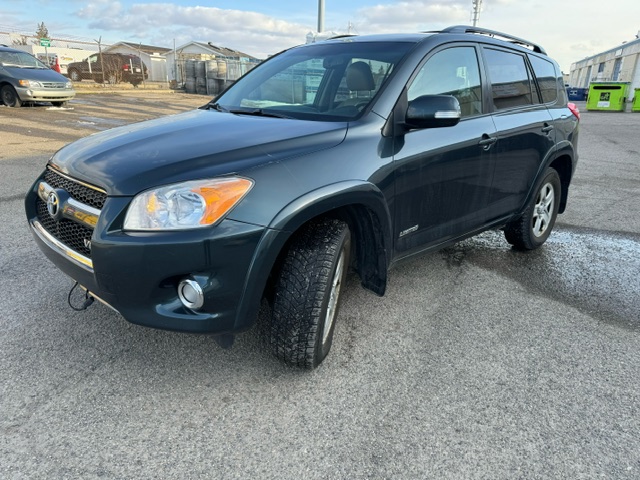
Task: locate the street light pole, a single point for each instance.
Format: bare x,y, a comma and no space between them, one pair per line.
320,16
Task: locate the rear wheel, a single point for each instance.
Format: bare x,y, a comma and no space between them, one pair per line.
534,227
307,293
74,75
10,97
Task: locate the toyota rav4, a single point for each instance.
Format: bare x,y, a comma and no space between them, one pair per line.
356,152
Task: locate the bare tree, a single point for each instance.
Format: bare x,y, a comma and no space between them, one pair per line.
23,40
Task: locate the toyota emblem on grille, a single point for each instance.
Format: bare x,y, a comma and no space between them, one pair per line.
53,204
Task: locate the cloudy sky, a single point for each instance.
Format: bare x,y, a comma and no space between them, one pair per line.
568,29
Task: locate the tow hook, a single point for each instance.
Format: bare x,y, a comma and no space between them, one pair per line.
88,299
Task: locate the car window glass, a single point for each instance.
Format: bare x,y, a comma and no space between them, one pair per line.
510,82
361,80
453,71
20,59
93,58
546,75
327,81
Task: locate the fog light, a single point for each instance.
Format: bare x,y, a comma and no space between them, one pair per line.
190,293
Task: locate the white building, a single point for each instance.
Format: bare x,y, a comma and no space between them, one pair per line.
619,64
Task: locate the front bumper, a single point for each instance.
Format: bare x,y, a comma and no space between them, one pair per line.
45,94
137,274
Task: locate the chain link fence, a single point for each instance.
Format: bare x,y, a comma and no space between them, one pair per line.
208,74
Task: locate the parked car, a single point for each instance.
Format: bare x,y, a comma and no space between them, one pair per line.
118,67
353,152
24,78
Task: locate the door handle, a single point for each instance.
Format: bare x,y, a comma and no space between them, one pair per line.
547,128
487,141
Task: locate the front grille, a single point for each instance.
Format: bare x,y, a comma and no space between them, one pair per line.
77,191
54,85
72,234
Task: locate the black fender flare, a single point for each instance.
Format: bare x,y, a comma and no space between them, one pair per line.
312,205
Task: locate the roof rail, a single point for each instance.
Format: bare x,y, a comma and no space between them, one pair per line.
492,33
345,35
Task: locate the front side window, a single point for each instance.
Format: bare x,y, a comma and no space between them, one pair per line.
453,71
324,81
510,81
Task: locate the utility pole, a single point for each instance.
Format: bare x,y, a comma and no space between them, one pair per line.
101,62
477,5
320,16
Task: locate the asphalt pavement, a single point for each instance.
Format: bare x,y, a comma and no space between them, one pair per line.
480,362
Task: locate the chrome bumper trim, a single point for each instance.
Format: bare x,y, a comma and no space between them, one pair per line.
60,247
98,298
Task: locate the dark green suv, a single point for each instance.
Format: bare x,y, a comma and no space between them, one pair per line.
354,152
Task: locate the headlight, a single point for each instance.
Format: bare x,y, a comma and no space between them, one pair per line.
68,85
30,84
187,205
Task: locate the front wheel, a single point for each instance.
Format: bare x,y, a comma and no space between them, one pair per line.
534,227
307,293
10,97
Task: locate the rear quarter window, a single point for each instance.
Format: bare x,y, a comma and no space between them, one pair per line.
545,73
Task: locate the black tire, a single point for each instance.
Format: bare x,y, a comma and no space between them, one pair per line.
533,228
10,97
59,104
74,75
307,291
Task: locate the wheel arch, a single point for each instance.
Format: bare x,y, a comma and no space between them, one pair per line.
564,166
361,204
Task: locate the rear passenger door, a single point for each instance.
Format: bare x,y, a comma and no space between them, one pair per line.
525,129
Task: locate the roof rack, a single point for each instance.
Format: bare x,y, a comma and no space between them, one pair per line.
492,33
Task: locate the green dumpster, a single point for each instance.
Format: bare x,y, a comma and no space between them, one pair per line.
635,106
608,96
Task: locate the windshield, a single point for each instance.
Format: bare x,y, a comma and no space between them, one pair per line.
324,81
21,60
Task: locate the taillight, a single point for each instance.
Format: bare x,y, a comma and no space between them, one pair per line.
574,109
125,66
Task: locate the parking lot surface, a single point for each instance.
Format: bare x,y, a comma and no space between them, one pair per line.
480,362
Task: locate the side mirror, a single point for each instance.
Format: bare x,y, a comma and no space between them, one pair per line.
433,111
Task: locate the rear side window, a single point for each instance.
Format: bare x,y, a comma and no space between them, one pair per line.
545,73
510,81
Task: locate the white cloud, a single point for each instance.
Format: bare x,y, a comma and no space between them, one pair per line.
568,30
161,23
413,16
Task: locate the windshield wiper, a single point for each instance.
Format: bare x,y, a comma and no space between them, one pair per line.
258,112
215,106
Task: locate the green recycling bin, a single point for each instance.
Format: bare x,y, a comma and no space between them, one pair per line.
635,106
607,96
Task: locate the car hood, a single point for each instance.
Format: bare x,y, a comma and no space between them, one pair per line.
197,144
37,74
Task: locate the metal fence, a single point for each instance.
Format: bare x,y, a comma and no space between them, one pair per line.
210,76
